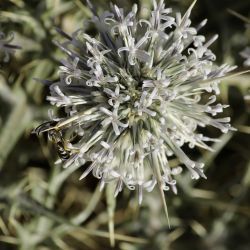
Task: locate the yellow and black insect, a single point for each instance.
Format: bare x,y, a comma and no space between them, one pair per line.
55,136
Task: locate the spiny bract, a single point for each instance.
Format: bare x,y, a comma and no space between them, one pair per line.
133,97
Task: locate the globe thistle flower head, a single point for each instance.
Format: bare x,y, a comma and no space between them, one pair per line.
134,95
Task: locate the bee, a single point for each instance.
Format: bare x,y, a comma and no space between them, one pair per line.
55,136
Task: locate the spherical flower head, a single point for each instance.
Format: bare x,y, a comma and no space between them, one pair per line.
134,96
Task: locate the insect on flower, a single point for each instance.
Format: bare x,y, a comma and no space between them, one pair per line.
135,95
56,137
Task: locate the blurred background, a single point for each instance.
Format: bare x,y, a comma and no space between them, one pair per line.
43,207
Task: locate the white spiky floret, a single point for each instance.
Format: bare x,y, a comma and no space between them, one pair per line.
137,94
